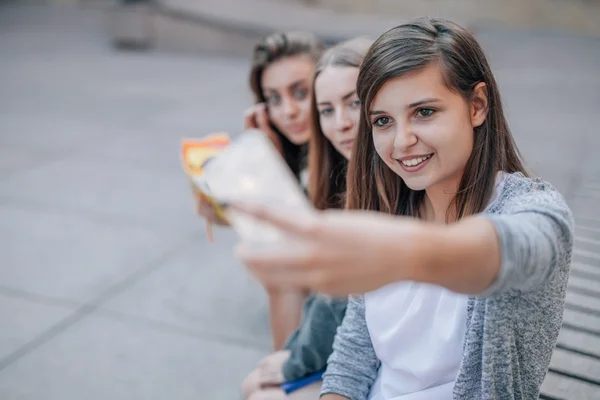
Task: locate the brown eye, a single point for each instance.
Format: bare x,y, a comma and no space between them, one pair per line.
381,121
425,112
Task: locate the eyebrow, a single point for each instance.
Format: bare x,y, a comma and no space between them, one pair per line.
344,97
411,105
421,102
350,94
298,83
293,85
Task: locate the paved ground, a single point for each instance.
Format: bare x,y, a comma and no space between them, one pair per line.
108,288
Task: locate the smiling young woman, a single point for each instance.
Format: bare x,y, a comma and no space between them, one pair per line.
336,114
281,79
464,259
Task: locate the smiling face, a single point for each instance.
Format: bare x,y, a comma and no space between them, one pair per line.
422,130
286,87
338,106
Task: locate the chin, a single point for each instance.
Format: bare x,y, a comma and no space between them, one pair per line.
417,183
299,138
345,153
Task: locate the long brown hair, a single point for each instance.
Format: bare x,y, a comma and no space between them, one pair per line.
270,49
326,166
410,47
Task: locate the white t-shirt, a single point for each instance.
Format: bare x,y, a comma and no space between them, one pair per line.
417,331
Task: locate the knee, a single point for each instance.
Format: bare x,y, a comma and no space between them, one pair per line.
250,384
268,394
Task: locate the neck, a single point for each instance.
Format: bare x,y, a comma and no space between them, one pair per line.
437,202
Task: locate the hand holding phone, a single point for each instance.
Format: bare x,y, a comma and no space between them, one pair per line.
195,155
251,170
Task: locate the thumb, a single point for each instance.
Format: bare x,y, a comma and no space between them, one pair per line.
264,124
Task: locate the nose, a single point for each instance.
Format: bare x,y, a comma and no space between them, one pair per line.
404,138
343,122
290,108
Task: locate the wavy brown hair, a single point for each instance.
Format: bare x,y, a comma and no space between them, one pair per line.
270,49
372,185
326,166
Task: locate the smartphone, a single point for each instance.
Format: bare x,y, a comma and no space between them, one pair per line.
251,170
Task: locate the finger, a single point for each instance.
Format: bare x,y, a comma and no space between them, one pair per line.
209,232
288,253
205,210
201,199
250,110
264,125
301,224
198,196
250,118
262,119
281,269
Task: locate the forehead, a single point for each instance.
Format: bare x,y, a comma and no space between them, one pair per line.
285,71
335,82
427,82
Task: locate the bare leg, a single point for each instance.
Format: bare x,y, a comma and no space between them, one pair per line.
310,392
268,394
285,312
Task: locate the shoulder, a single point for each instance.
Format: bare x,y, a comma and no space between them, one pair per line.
521,193
332,304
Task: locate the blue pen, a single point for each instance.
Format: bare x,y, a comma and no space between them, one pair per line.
292,386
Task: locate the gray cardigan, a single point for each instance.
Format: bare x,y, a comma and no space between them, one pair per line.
511,328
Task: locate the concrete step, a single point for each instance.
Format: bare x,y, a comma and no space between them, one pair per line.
233,26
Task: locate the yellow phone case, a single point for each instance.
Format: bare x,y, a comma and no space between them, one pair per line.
195,153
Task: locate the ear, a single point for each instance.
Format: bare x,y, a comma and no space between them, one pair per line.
479,105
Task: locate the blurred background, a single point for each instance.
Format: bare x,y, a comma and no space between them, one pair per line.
108,286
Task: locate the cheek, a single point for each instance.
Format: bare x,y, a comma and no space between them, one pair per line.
277,117
305,107
463,138
354,115
383,145
328,128
452,138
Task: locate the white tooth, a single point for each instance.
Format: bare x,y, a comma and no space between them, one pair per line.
415,161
